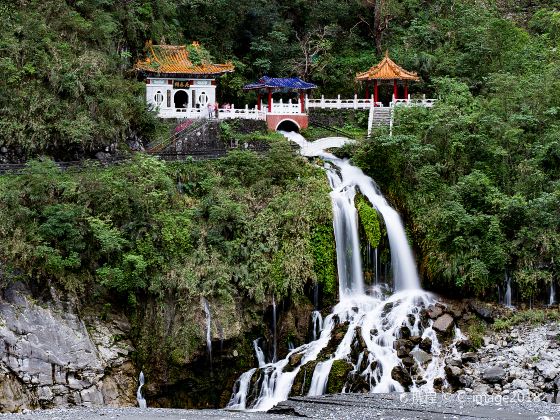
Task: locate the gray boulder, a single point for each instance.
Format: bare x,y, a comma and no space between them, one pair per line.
493,374
443,324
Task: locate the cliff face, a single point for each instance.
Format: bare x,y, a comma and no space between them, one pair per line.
52,356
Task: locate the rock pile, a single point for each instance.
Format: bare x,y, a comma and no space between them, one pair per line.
522,362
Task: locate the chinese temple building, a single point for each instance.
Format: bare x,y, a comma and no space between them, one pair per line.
387,72
180,80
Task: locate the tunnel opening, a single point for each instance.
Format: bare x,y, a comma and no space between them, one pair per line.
288,125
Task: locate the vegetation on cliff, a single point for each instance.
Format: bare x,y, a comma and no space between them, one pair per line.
156,237
477,175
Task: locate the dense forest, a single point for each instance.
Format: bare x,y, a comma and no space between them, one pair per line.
477,176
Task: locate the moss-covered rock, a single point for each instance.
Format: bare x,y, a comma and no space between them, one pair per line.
302,381
338,376
369,220
337,335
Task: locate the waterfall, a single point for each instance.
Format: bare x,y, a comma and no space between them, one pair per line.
239,397
316,324
259,353
552,296
274,342
376,272
208,328
372,319
507,296
139,397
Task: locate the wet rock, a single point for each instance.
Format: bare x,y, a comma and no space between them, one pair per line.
465,345
295,359
434,311
469,357
302,381
483,310
408,361
456,310
443,324
453,374
426,345
360,339
452,361
403,347
338,376
415,339
401,375
438,384
404,332
421,356
494,374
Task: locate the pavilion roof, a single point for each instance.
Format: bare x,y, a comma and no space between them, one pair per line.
280,83
387,69
180,59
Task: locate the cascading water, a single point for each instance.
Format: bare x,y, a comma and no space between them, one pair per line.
259,353
552,295
139,397
274,342
316,324
369,320
208,328
507,296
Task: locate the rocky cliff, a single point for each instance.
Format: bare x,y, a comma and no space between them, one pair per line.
50,355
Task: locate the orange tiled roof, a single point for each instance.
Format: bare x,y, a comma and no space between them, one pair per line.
175,59
387,69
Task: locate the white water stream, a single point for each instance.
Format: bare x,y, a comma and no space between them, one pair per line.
373,316
208,315
139,397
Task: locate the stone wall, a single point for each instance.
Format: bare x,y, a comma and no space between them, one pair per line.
215,137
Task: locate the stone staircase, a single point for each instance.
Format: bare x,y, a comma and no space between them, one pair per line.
381,116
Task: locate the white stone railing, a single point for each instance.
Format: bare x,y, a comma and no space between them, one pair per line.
283,108
244,113
338,103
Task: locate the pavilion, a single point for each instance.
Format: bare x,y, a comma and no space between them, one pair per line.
180,80
385,72
269,85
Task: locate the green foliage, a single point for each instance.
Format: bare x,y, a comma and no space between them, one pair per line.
470,174
530,316
324,257
476,331
369,220
244,225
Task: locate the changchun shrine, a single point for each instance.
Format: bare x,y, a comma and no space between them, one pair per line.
181,83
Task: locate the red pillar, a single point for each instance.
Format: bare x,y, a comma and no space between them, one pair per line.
269,100
406,89
367,89
259,101
302,101
375,91
395,90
